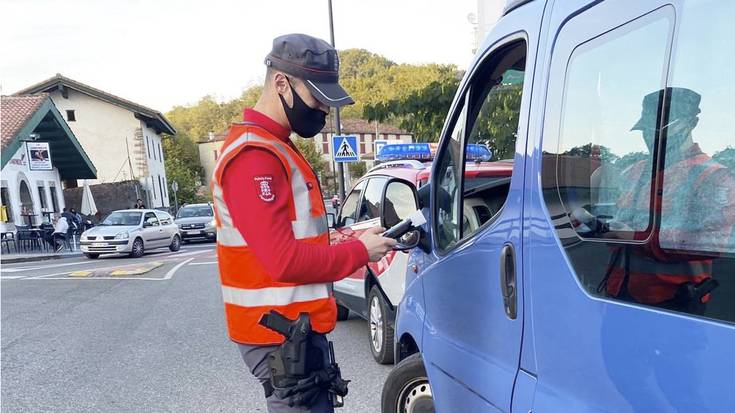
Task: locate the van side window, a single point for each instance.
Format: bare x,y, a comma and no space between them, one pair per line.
349,208
474,171
639,178
370,207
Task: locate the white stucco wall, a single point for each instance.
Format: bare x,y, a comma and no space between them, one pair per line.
109,134
156,176
15,171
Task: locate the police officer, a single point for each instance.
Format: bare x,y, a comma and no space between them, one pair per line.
272,236
694,210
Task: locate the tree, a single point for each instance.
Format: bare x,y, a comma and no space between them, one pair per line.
182,166
421,112
357,169
307,148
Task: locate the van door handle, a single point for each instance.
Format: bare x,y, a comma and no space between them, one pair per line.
508,280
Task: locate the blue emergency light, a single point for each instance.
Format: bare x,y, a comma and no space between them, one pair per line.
478,152
392,152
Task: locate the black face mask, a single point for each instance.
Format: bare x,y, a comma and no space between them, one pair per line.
305,121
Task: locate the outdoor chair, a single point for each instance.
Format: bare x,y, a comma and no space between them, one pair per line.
7,238
27,239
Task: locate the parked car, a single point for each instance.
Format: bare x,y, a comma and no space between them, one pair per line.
386,191
131,231
604,282
196,221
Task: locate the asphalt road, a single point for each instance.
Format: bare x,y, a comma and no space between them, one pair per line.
154,342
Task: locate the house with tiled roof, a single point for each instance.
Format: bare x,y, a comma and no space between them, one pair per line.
122,138
39,151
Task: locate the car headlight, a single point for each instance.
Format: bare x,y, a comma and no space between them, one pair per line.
122,235
211,223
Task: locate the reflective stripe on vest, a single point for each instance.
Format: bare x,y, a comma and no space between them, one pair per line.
248,290
274,296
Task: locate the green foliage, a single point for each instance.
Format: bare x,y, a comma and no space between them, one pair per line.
182,166
422,111
497,122
357,169
307,148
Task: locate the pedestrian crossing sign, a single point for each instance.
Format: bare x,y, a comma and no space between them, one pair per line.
345,148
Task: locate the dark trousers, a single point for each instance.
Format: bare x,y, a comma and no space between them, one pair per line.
255,359
54,239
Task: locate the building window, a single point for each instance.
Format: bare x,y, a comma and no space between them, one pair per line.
148,146
42,196
153,183
7,213
361,139
216,155
160,153
54,199
160,188
70,116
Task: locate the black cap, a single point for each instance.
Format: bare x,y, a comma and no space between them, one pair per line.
683,105
312,60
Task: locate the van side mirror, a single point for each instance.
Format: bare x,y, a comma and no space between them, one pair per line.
331,220
399,201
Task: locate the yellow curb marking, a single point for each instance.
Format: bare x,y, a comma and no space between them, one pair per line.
138,271
81,273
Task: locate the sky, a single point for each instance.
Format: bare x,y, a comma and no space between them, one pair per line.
162,53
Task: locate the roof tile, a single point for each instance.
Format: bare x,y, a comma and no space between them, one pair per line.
15,111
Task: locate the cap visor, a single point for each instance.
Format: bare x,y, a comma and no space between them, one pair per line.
330,94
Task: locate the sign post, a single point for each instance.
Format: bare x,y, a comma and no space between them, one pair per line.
175,188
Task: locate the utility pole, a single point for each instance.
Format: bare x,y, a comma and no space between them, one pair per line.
340,165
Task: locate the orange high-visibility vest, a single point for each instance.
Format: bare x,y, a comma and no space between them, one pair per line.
247,289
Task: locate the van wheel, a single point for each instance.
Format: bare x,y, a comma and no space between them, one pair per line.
138,248
381,332
407,389
343,313
175,244
92,256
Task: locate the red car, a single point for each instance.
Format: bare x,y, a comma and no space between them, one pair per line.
375,291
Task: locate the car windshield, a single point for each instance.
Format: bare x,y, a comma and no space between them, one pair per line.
195,211
122,218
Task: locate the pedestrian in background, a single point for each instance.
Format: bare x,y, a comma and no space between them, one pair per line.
139,204
272,236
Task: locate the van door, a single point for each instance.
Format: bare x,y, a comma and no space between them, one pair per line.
632,253
473,289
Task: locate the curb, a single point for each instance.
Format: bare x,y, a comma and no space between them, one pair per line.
38,258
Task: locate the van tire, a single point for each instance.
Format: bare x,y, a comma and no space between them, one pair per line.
92,256
343,313
407,388
380,332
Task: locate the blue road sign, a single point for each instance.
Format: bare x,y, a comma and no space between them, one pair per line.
345,148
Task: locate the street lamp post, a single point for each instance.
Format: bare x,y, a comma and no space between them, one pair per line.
340,165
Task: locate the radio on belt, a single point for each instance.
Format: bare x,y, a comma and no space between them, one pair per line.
413,221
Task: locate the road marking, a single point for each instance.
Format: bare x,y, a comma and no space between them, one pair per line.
203,263
173,270
11,277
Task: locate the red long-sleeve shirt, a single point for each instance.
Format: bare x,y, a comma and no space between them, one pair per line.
265,224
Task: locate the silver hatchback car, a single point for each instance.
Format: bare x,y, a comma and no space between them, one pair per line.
131,231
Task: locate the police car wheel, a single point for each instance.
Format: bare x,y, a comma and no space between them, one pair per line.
381,332
343,313
407,388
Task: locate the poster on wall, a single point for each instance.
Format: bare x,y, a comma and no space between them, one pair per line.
39,156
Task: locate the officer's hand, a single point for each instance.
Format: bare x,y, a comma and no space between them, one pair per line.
377,246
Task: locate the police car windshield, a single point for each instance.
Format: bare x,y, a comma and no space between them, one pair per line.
195,211
122,218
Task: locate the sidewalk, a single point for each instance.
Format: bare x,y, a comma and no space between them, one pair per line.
37,256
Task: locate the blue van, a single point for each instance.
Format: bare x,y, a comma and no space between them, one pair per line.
603,277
